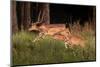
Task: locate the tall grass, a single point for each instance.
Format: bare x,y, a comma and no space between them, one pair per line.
48,50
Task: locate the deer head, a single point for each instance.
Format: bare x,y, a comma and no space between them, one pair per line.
36,26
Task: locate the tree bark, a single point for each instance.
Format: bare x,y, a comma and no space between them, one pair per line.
46,14
27,18
45,17
14,17
24,15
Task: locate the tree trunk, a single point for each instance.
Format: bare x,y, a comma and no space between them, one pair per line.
22,15
27,18
14,17
45,17
46,14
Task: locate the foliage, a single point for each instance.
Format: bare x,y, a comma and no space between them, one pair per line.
48,50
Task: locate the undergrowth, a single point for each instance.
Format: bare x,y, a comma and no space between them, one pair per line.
48,50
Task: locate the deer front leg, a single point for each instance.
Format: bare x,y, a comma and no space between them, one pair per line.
66,45
41,35
38,37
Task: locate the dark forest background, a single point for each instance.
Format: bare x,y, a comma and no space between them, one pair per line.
25,13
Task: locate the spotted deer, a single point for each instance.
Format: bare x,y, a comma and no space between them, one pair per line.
60,33
56,31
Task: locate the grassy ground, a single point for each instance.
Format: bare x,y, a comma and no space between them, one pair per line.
48,50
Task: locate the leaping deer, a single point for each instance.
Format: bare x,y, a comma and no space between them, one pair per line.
57,31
